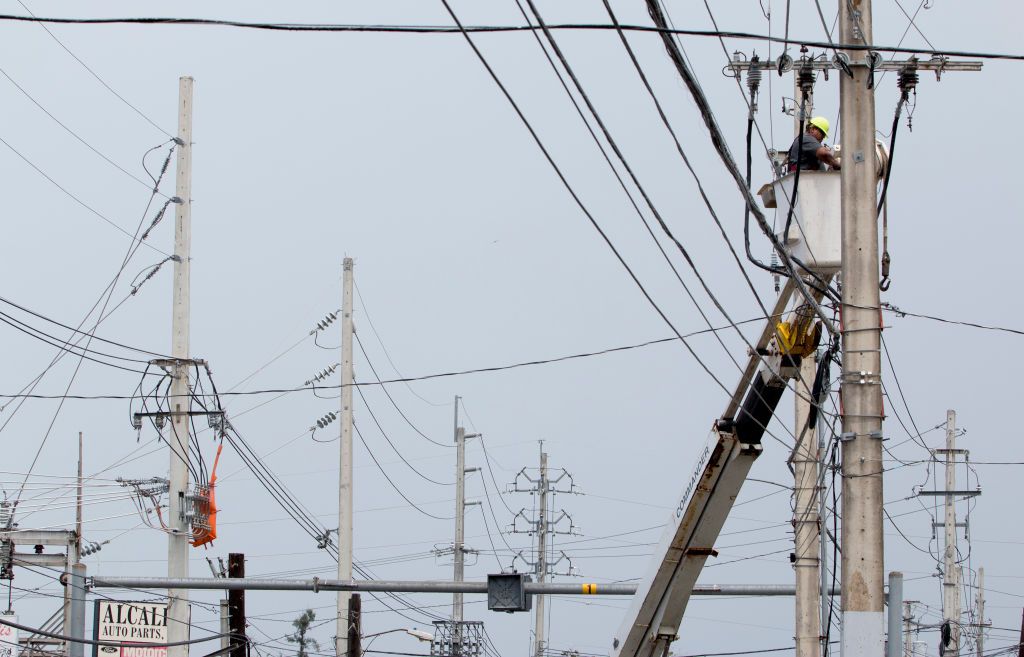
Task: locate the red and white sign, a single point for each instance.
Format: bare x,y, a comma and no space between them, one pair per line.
9,637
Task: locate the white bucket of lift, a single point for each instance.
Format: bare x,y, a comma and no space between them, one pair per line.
815,234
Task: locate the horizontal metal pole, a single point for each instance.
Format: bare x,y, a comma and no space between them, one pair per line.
921,65
38,536
58,561
955,493
399,586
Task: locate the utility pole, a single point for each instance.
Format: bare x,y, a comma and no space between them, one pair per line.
951,574
806,520
543,526
951,579
981,612
459,549
459,556
355,626
863,572
236,606
894,644
345,467
78,504
178,437
542,552
808,510
908,619
78,572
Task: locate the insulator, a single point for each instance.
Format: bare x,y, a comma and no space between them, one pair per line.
323,374
325,420
908,79
326,321
753,77
805,79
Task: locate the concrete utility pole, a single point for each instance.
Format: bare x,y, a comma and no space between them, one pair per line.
542,552
345,467
894,643
178,436
981,612
460,515
863,567
78,572
806,528
908,619
951,570
806,521
78,504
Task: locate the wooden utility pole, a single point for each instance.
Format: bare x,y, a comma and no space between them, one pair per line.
236,606
1020,646
345,465
355,626
178,435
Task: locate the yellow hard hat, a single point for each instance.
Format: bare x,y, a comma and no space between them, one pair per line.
821,123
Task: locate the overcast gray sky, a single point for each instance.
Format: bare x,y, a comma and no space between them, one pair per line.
399,151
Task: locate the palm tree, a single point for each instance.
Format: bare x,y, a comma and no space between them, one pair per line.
301,625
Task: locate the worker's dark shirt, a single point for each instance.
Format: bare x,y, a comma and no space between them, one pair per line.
808,147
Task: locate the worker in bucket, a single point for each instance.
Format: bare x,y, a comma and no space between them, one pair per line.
808,150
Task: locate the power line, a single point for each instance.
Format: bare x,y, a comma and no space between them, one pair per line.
76,199
482,29
480,370
390,481
72,132
42,22
396,450
78,331
387,354
366,356
903,313
109,292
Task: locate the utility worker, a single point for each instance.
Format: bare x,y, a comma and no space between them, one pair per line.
808,150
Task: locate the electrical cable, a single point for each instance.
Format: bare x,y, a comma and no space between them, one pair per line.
498,368
387,354
78,331
73,133
722,149
136,244
366,356
52,341
578,201
618,152
396,450
77,200
42,24
390,481
481,29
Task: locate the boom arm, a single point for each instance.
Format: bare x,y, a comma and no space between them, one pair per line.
689,539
